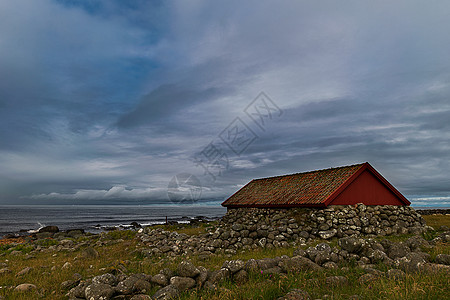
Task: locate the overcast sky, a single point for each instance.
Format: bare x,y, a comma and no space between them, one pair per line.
107,101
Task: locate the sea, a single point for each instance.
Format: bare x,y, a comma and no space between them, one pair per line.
17,219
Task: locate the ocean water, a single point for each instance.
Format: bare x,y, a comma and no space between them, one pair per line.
14,218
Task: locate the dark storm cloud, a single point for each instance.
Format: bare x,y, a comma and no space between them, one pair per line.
102,100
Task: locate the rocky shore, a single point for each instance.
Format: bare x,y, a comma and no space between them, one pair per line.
336,238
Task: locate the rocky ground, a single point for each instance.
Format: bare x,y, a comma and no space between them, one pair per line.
213,261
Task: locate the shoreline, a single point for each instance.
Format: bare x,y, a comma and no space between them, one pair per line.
98,228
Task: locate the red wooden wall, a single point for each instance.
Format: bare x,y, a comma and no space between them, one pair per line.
367,189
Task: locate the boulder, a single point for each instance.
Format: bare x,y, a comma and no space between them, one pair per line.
187,269
410,262
297,264
78,291
182,283
127,286
219,275
240,277
24,271
99,291
25,287
351,244
51,229
202,277
398,250
234,265
68,284
107,278
327,234
142,286
433,268
166,293
160,279
443,259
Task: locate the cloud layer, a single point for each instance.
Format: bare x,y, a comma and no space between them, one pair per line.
102,100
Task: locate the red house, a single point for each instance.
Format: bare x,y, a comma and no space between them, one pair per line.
336,186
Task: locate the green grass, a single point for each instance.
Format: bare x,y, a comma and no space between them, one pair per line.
47,273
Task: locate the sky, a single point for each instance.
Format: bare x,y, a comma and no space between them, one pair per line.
144,102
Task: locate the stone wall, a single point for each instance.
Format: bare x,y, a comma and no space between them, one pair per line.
278,225
251,228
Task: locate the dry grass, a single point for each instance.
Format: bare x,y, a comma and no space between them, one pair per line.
436,221
119,254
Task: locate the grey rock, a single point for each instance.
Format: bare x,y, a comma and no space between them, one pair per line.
107,278
267,263
202,277
351,244
182,283
219,275
78,291
24,271
234,265
398,250
51,229
433,268
187,269
237,227
297,264
126,286
99,291
300,252
142,286
443,259
274,270
410,262
251,265
377,256
68,284
417,242
166,293
327,234
241,276
167,272
160,279
330,265
25,287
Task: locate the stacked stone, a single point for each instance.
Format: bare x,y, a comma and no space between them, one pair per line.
250,228
325,223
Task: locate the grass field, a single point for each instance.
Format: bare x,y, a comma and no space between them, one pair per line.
118,253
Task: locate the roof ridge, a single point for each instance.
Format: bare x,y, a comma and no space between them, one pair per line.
307,172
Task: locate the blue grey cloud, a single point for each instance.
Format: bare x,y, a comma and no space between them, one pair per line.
108,100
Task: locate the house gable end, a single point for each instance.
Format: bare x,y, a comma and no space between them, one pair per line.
366,187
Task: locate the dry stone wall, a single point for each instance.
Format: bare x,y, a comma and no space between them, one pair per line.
278,225
250,228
